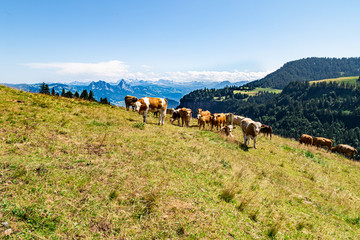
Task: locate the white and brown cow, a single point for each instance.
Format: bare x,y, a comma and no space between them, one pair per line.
227,130
146,104
237,120
250,129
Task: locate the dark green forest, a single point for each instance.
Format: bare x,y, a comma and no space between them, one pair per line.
309,69
324,109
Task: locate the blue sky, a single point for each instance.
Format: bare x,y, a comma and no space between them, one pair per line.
183,40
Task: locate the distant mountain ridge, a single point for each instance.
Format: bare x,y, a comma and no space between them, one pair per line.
115,92
309,69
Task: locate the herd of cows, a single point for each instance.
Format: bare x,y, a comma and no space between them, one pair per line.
225,122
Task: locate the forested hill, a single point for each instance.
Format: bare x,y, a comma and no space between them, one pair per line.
309,69
323,109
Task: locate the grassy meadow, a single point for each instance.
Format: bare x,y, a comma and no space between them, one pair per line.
72,169
347,80
257,90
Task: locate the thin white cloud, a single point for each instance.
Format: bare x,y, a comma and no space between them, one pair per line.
114,70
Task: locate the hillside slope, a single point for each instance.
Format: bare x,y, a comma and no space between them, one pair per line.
76,169
309,69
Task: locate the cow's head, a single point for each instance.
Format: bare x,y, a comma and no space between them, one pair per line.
137,106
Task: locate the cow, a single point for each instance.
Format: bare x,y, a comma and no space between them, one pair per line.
218,119
130,101
237,120
323,142
185,115
170,111
175,116
146,104
226,130
204,119
266,130
202,113
250,129
229,118
306,139
345,150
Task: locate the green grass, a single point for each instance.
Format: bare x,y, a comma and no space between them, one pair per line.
77,169
257,90
347,80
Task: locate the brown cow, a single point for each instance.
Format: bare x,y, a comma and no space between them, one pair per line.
323,142
204,119
202,113
306,139
266,129
250,129
345,150
218,119
185,115
146,104
130,101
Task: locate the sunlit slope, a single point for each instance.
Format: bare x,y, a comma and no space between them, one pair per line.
75,169
346,80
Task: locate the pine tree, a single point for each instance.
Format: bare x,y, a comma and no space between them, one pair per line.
63,94
44,89
76,94
84,94
53,91
91,96
69,94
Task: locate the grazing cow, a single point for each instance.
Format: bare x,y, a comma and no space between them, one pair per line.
218,119
130,101
185,115
227,130
250,129
323,142
146,104
306,139
229,119
204,119
175,116
266,129
345,150
237,120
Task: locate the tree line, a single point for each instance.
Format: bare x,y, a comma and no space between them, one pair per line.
85,95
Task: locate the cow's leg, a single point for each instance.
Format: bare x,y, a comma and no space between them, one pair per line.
163,115
254,143
144,117
127,107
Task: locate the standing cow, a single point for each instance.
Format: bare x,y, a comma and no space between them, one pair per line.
250,129
130,101
266,129
146,104
323,142
218,120
185,115
306,139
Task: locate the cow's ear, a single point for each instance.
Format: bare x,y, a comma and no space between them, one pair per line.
262,125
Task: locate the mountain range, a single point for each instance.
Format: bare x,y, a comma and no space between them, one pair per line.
115,92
